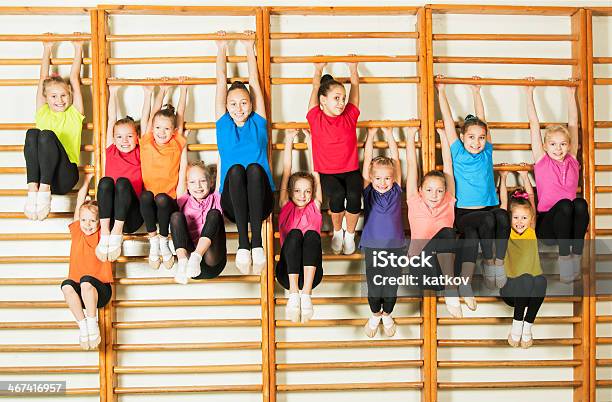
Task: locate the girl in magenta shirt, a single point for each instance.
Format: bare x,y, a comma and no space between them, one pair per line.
119,191
333,122
562,218
299,222
198,227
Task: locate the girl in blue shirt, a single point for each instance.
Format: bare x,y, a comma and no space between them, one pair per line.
244,178
477,215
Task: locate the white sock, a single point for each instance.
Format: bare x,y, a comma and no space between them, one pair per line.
566,269
349,243
31,198
305,301
193,265
43,197
466,290
526,333
517,330
113,240
387,320
82,327
92,325
337,240
374,321
293,300
154,246
164,249
104,239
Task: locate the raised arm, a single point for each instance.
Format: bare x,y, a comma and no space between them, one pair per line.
181,187
318,192
287,162
447,163
45,62
316,83
112,114
218,176
572,118
503,189
159,100
221,92
254,85
180,111
412,181
393,153
146,108
368,150
447,115
478,104
534,124
75,75
354,92
81,195
524,175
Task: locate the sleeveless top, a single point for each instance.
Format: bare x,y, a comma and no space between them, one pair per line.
522,256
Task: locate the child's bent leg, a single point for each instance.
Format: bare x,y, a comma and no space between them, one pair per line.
149,213
182,244
165,207
30,152
291,253
236,207
106,195
90,299
261,202
71,291
581,224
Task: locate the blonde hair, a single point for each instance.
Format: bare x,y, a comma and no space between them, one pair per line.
90,205
382,161
557,128
56,80
209,171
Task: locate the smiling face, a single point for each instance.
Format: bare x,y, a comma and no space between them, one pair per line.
88,221
474,139
125,137
521,217
301,192
556,145
163,129
197,183
57,96
239,105
432,191
381,178
334,102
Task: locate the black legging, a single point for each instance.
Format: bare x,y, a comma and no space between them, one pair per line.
524,292
47,161
118,201
383,295
215,258
299,251
247,198
566,224
343,186
443,242
486,225
157,210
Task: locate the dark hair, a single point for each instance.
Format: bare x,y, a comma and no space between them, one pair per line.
128,121
519,198
471,120
238,85
167,111
433,173
297,176
56,80
327,83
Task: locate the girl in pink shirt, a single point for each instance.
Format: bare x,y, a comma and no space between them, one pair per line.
562,218
333,122
198,227
300,265
119,190
431,215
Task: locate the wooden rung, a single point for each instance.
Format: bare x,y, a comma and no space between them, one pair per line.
381,386
505,147
33,304
334,257
343,300
402,10
49,370
604,362
377,144
44,37
82,391
360,124
180,10
171,60
34,236
24,82
501,10
505,320
507,81
603,232
175,37
187,389
19,148
344,80
603,340
219,368
229,322
239,301
603,211
504,342
25,126
343,59
603,319
505,60
33,259
349,344
22,170
36,62
508,363
603,168
16,192
13,348
603,189
506,167
170,281
603,297
603,383
157,347
356,322
547,299
20,215
506,37
603,145
170,81
602,81
603,124
513,125
349,365
509,384
38,325
342,35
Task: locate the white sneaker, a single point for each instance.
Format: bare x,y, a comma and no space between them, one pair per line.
293,307
94,332
348,245
453,305
154,258
43,204
500,276
193,265
102,248
243,260
29,209
468,296
83,334
488,273
181,272
306,308
337,241
258,256
114,247
164,250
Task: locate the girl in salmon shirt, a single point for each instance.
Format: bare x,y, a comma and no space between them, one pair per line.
300,266
562,218
120,189
431,215
89,280
198,227
163,152
333,123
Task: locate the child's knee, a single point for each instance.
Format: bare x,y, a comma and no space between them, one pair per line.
236,172
176,219
162,200
106,184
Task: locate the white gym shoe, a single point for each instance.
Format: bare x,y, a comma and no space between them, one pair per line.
348,245
114,247
166,254
193,265
102,248
181,272
243,260
500,276
43,204
29,209
306,308
468,296
154,257
94,332
453,305
337,241
293,307
258,256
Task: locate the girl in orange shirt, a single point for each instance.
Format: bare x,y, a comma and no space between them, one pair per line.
89,280
163,155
